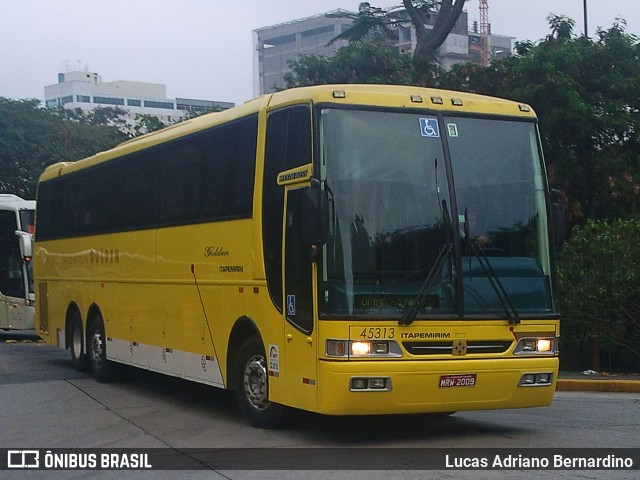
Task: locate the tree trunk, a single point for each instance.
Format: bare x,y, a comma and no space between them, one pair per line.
428,41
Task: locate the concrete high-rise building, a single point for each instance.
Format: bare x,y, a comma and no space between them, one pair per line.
87,91
276,45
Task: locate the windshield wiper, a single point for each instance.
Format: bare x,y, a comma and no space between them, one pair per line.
494,280
418,304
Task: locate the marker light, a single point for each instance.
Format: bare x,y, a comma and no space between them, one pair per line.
336,348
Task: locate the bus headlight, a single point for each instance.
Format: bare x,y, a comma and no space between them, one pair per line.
359,348
537,346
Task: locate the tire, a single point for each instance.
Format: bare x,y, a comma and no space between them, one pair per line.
79,359
101,368
252,387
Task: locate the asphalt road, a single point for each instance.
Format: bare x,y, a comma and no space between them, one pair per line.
46,404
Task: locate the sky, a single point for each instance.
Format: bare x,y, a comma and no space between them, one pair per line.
203,49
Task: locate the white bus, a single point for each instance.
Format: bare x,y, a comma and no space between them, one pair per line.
16,271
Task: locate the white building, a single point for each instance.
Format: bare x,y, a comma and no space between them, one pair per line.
87,91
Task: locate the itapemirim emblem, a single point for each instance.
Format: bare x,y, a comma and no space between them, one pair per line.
459,348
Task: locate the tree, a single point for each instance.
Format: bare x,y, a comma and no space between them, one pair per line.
31,138
561,27
372,21
146,124
428,41
599,281
585,94
369,21
374,62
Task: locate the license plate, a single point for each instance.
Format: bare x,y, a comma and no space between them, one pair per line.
462,380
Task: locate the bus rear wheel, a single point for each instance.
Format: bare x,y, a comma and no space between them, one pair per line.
101,368
79,359
252,386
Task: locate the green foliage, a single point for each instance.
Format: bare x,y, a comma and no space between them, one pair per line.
561,27
147,124
369,22
372,24
374,62
31,138
599,283
585,93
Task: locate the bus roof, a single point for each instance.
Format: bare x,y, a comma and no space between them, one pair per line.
390,96
13,202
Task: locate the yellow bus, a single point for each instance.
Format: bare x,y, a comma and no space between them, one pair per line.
343,249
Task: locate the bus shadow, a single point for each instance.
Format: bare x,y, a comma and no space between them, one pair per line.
19,336
350,430
380,429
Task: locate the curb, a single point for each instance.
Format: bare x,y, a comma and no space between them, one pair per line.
625,386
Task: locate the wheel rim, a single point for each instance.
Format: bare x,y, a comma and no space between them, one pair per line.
76,342
96,348
255,382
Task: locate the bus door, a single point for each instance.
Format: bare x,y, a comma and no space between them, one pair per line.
300,343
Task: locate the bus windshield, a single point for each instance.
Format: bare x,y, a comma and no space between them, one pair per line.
393,229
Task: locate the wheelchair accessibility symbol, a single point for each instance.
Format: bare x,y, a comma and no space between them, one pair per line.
291,304
429,127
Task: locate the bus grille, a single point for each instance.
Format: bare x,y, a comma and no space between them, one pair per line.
446,348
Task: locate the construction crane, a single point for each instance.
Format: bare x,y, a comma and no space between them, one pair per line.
484,32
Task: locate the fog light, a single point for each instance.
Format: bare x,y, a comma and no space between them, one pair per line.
358,384
528,379
536,379
543,378
377,383
370,384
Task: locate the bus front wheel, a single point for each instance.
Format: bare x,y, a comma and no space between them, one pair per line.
252,386
100,366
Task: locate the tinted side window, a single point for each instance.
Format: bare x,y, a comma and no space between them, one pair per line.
288,145
207,176
210,175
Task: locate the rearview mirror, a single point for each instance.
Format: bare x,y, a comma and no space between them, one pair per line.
559,218
315,217
26,243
